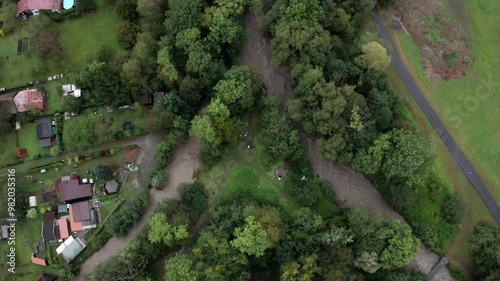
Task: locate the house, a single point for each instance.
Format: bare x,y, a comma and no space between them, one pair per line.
71,90
111,186
82,216
49,232
71,248
27,8
63,228
38,261
72,191
33,201
44,132
23,100
46,277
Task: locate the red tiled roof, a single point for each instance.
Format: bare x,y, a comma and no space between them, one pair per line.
22,152
63,228
24,5
38,261
75,226
35,98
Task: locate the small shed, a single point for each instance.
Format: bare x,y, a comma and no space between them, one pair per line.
38,261
33,201
18,125
62,209
111,186
21,152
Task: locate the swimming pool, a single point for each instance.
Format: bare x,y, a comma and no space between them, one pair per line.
68,4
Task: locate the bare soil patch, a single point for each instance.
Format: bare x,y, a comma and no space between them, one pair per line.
439,28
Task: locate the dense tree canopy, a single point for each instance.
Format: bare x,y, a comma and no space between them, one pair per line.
80,133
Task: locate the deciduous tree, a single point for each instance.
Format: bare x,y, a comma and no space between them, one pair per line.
251,239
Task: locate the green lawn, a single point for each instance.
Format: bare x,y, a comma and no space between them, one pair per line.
242,171
470,106
53,98
29,140
82,38
8,152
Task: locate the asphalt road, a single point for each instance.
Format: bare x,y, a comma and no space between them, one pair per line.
445,136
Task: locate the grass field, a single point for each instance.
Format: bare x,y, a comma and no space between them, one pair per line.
470,106
8,153
82,38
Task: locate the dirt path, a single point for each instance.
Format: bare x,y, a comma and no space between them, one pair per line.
181,170
351,187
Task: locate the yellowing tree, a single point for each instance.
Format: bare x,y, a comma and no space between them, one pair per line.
374,56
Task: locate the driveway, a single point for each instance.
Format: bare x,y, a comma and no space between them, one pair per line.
456,153
181,170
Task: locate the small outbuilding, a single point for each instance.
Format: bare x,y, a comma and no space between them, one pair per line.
33,201
38,261
71,248
111,186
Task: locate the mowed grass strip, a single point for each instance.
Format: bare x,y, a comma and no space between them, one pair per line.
470,106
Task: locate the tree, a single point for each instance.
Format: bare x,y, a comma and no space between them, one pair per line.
181,268
103,172
401,247
162,231
127,35
80,133
409,158
368,262
159,121
55,151
223,21
167,68
452,209
369,162
299,42
304,270
280,138
194,199
152,10
237,90
72,104
485,250
32,214
182,15
5,117
374,56
187,38
126,9
251,239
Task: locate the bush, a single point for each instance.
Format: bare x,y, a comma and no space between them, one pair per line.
127,35
86,6
103,172
452,209
127,9
194,199
120,222
159,180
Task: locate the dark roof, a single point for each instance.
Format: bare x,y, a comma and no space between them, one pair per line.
92,220
48,227
44,129
46,142
46,277
72,190
81,211
146,99
111,186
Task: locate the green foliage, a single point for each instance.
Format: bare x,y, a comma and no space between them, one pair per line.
452,209
80,133
182,15
251,239
485,251
181,268
167,68
126,9
194,199
374,56
32,214
368,262
103,172
398,275
127,35
304,270
72,104
120,222
162,231
55,151
301,184
86,6
282,141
